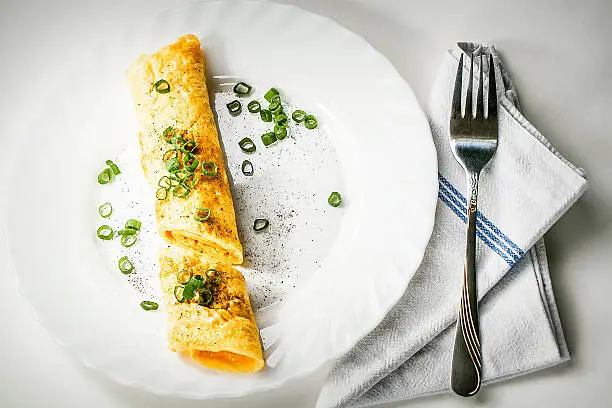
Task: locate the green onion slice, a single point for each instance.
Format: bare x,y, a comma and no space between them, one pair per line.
181,191
247,145
209,168
198,281
214,276
125,265
242,89
178,176
164,182
162,193
268,138
173,165
127,231
178,293
133,224
206,297
201,214
271,94
335,199
105,210
265,115
189,291
298,115
178,142
128,240
280,132
162,86
184,276
260,224
234,107
190,180
170,154
275,106
281,120
310,122
106,176
254,107
189,146
247,168
105,232
148,305
113,167
191,162
168,134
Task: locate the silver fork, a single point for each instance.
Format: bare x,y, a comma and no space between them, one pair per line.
473,140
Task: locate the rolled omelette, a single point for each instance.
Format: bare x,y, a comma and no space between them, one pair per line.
222,335
169,93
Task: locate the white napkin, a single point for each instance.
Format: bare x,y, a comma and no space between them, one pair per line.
525,188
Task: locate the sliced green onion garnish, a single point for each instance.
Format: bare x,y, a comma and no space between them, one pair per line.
280,132
206,297
162,193
133,224
268,138
247,145
178,176
281,120
275,106
181,191
310,122
191,180
184,276
169,154
201,214
254,107
127,231
260,224
214,276
247,168
265,115
113,167
298,115
105,210
271,94
148,305
191,162
173,164
125,266
178,142
242,89
105,232
178,293
189,146
162,86
234,107
210,168
164,182
128,240
189,291
106,176
198,281
335,199
168,134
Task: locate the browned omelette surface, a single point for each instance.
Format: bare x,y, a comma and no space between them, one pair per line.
223,335
185,108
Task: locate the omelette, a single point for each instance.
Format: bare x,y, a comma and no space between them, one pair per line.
180,151
214,322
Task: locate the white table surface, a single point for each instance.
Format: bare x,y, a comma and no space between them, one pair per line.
559,55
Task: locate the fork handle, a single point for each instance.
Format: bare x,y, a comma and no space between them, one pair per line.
466,365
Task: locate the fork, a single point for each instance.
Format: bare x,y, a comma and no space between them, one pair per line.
473,140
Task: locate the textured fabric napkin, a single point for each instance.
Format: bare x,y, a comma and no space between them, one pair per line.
526,187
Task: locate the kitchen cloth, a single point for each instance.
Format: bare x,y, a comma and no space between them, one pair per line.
523,191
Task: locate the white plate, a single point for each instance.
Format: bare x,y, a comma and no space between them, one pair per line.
349,265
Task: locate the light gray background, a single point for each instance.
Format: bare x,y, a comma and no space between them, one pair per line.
559,55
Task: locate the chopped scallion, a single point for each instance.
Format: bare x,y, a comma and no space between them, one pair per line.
191,162
298,115
162,193
271,94
105,232
275,106
214,276
310,122
247,168
242,89
133,224
260,224
206,297
265,115
181,191
168,134
234,107
105,210
268,138
162,86
210,168
128,240
247,145
335,199
201,214
106,176
125,265
281,120
113,167
189,146
173,164
254,107
127,231
148,305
